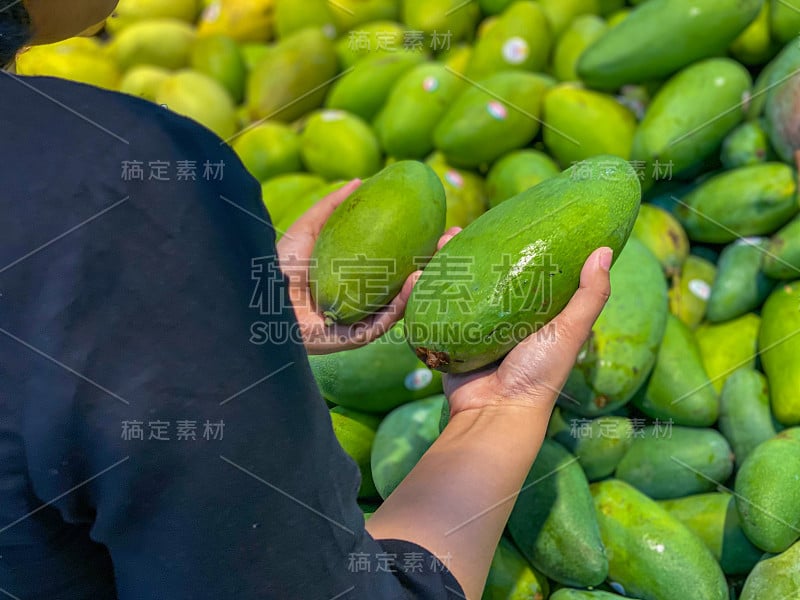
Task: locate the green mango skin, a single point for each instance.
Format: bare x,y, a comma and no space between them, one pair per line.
774,578
292,77
755,45
689,294
679,388
688,119
782,258
371,39
745,418
726,347
580,34
570,594
560,13
622,349
793,433
652,554
740,285
664,236
128,12
516,172
661,36
338,145
465,192
415,106
599,445
404,435
165,43
780,351
749,201
784,19
579,124
486,122
291,17
295,208
280,193
566,218
746,145
768,495
143,81
356,437
349,14
379,210
375,378
519,40
781,120
715,520
364,90
512,578
199,97
431,16
219,57
269,149
494,7
777,71
553,521
668,463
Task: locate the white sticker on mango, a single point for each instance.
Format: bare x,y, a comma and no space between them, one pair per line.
332,115
416,380
700,288
516,51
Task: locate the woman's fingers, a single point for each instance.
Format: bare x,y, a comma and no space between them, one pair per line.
447,236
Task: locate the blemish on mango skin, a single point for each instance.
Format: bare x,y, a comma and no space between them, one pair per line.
433,359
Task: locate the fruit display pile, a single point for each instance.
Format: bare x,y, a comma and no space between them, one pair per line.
671,470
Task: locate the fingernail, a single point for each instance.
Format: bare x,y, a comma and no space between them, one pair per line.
606,256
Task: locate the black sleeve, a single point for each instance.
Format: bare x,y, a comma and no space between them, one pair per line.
156,396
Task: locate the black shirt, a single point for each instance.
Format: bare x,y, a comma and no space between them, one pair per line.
150,446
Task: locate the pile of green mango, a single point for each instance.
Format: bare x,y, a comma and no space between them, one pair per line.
672,465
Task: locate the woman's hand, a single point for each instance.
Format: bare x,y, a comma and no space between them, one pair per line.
294,254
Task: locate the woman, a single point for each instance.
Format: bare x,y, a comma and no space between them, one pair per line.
148,449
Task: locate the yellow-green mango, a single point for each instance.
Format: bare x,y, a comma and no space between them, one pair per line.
252,53
349,14
370,39
519,39
457,58
689,294
768,494
243,20
364,90
793,433
664,236
661,36
295,208
356,434
494,7
573,594
338,145
464,190
198,97
464,323
775,577
163,43
77,59
748,201
580,34
280,193
728,346
291,16
779,346
516,172
380,210
652,555
219,57
744,417
269,149
599,444
452,16
608,7
755,45
580,123
784,19
782,257
748,144
679,388
615,19
486,122
740,285
621,351
553,521
144,81
293,77
128,12
715,520
688,119
511,577
560,13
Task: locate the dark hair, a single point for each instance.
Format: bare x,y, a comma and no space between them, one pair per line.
15,29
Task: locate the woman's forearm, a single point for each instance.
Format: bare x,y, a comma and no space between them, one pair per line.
458,498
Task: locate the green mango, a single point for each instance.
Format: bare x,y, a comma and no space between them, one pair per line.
405,192
599,444
768,494
494,7
292,77
198,97
338,145
672,462
689,294
777,71
747,201
464,191
560,13
402,438
793,433
782,257
578,36
714,519
269,149
779,346
688,119
664,236
784,19
243,20
296,207
512,578
370,39
553,522
165,43
452,16
349,14
356,435
375,378
621,350
579,124
252,54
415,105
487,121
740,285
516,172
679,388
652,555
781,119
520,39
456,58
775,577
290,17
364,90
567,217
79,59
726,347
746,145
144,81
219,57
661,36
755,45
281,193
573,594
128,12
744,416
